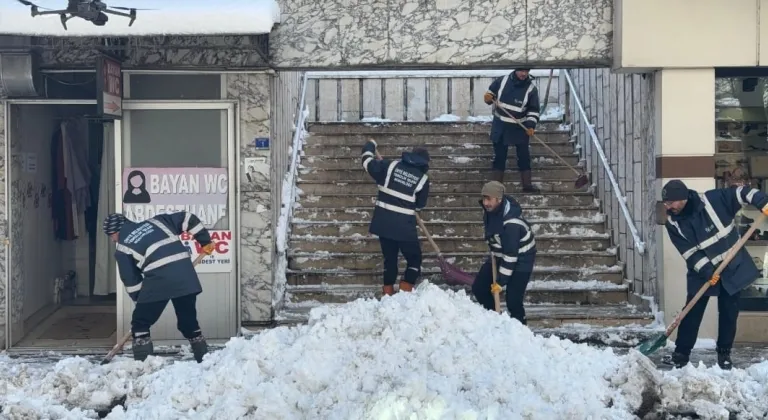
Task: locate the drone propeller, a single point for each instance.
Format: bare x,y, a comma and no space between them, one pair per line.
33,5
125,8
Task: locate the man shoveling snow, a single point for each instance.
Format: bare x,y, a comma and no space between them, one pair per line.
448,359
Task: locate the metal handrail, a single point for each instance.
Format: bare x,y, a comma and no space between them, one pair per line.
289,190
639,244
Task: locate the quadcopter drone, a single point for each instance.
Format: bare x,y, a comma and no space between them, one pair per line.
91,10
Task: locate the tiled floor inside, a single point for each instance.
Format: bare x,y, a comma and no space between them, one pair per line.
75,326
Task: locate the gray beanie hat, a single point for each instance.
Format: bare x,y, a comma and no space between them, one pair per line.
494,189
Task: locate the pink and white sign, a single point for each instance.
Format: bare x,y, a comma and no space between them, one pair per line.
201,191
151,191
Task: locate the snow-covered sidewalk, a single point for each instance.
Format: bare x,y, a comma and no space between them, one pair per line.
432,354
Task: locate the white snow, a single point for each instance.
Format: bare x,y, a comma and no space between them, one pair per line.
375,120
170,17
447,118
448,359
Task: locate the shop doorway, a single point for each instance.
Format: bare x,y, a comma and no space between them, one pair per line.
180,155
61,280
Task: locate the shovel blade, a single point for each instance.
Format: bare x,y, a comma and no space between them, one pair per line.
652,344
454,276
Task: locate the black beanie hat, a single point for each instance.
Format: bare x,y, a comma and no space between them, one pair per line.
674,190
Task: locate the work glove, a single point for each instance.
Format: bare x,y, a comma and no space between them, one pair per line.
715,278
765,210
495,288
529,131
208,249
489,98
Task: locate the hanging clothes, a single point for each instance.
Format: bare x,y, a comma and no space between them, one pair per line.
71,177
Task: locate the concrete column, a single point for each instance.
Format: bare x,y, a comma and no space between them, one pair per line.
684,128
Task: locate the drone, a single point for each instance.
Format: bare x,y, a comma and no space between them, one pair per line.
91,10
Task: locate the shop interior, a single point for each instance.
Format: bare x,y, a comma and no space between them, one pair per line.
741,158
62,281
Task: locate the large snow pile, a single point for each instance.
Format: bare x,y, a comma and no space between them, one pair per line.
430,354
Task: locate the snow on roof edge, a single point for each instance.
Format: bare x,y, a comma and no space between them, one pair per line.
229,17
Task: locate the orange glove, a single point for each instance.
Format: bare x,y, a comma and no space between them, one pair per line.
489,98
713,281
529,131
765,210
495,288
208,249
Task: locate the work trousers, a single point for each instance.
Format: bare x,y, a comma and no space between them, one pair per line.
146,314
515,292
728,314
411,250
501,152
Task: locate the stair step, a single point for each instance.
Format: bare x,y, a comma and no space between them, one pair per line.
443,161
469,261
562,148
454,244
454,214
435,175
444,229
585,293
306,277
449,199
538,315
473,186
387,139
351,159
432,127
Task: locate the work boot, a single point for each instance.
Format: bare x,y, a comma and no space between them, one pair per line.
388,290
497,175
199,347
405,286
525,179
676,359
142,347
724,359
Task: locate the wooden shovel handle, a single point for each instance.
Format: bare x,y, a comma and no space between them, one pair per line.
731,253
496,297
429,237
554,153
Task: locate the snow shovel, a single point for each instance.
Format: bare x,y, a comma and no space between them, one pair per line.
121,343
495,288
452,275
582,178
652,344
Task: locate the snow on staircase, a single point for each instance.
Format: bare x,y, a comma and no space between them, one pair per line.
578,287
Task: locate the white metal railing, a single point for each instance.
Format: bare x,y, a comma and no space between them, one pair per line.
639,244
288,198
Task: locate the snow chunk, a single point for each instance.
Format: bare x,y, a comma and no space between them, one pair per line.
447,118
375,120
189,17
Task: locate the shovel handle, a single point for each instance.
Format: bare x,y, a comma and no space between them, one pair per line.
731,253
540,141
429,237
496,297
120,344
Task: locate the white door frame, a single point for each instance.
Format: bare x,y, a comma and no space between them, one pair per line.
6,108
232,158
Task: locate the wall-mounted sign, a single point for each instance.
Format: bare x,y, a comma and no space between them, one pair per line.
203,192
261,142
109,88
221,259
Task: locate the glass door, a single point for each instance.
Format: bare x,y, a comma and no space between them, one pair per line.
179,156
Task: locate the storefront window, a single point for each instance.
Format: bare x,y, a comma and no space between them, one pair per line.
741,158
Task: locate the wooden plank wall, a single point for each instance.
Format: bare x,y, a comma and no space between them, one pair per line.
405,98
620,107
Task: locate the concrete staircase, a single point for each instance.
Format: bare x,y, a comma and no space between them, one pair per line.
578,290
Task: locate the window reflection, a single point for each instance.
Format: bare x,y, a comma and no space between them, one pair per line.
741,159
